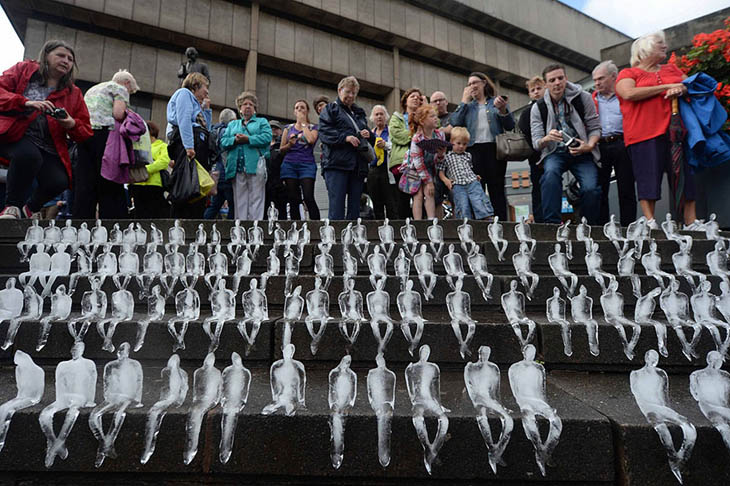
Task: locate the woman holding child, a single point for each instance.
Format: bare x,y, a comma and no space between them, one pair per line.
423,125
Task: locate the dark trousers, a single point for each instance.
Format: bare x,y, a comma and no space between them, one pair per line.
535,175
149,202
295,189
614,156
343,184
381,192
492,171
276,193
28,163
176,150
90,188
225,193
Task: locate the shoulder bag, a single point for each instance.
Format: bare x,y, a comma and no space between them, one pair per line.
513,146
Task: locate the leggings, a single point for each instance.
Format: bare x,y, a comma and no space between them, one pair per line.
28,163
492,172
294,195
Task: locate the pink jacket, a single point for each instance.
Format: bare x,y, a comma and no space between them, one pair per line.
118,154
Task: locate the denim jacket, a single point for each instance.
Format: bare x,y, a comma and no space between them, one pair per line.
466,115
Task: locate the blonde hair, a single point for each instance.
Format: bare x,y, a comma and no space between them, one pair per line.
533,81
644,45
349,82
416,120
460,133
194,81
122,76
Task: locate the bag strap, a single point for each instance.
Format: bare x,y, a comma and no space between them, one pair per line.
577,103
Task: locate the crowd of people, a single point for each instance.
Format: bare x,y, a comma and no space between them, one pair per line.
61,146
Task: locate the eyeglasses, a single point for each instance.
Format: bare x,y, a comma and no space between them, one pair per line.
442,100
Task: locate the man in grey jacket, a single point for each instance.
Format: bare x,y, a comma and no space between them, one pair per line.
565,130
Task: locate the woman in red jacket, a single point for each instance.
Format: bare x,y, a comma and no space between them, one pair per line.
40,106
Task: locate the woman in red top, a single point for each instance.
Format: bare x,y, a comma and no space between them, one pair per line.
40,106
645,92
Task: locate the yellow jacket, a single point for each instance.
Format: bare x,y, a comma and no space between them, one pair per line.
160,162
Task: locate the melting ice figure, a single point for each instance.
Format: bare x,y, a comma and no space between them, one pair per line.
381,395
30,382
207,388
466,236
675,305
93,308
351,309
454,266
703,308
556,312
187,308
318,311
378,302
60,310
409,237
423,262
644,314
236,383
478,266
558,262
710,386
377,264
223,309
612,230
581,310
562,235
341,398
32,309
255,311
612,303
513,304
594,262
402,267
122,311
524,235
409,307
386,233
458,304
435,235
521,262
155,312
626,268
293,310
288,384
652,263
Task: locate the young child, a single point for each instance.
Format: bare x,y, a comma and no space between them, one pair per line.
456,172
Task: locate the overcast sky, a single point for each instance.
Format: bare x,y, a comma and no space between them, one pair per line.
632,17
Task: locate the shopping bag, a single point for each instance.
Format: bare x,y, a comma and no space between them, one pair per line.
184,182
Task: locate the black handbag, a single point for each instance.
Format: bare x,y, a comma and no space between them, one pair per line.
184,183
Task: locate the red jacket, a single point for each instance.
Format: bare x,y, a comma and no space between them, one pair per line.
14,119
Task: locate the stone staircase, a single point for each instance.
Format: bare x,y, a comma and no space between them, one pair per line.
605,438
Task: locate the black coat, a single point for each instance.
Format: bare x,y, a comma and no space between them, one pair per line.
524,125
334,127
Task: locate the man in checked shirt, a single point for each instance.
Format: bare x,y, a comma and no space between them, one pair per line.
456,172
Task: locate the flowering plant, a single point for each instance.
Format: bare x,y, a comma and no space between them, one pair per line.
710,53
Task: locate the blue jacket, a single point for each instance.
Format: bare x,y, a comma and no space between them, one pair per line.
466,115
182,111
703,116
245,157
334,127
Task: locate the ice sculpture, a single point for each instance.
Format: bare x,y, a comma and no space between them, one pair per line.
173,391
482,381
386,233
293,309
272,215
327,234
238,239
458,304
466,236
106,263
423,261
360,239
652,263
583,233
612,303
558,262
236,383
155,312
40,265
638,231
75,389
30,382
93,308
612,231
243,268
152,266
351,309
349,265
175,267
671,231
712,229
527,380
155,235
682,261
402,268
70,235
122,311
650,387
423,380
675,305
83,269
454,266
128,267
187,308
644,314
123,380
324,265
318,311
32,310
478,266
291,271
703,308
377,264
255,311
215,239
523,268
581,310
346,237
288,384
60,267
710,386
594,262
129,236
723,301
222,309
255,239
513,304
409,237
562,235
341,399
194,265
52,233
378,302
524,235
409,308
115,235
33,236
717,262
99,234
140,235
273,267
556,313
435,235
11,301
381,395
626,268
201,237
217,268
207,390
60,310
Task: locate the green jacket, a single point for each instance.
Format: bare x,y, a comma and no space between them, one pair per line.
400,138
244,157
160,162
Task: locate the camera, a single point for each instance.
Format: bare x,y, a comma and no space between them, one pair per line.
570,142
58,113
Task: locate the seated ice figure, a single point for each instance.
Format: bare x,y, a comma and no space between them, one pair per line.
423,261
523,268
93,308
410,310
454,266
710,386
387,238
675,305
60,310
236,382
556,314
562,235
377,264
496,235
351,308
288,384
381,395
122,311
207,388
513,305
255,311
524,235
612,303
222,309
558,262
612,231
581,310
30,382
187,308
409,237
435,235
318,305
341,399
478,266
378,302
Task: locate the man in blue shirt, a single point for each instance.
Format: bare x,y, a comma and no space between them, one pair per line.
614,156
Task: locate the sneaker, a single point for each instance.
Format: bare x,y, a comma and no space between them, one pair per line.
28,214
652,224
10,212
696,226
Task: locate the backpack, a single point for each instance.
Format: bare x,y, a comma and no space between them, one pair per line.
577,103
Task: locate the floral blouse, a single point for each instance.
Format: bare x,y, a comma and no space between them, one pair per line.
424,162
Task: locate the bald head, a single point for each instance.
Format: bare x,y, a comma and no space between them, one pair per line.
439,101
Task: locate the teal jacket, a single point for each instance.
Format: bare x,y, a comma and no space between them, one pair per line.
244,157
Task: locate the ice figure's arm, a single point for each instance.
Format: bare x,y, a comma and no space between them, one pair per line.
91,383
694,385
139,375
301,391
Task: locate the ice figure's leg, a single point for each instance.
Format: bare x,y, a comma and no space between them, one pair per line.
250,338
350,336
337,431
384,419
567,338
502,250
47,283
141,333
179,336
440,439
412,338
78,334
106,330
714,332
556,428
569,249
43,333
154,421
636,285
724,429
464,341
383,338
424,286
12,331
419,423
262,281
592,330
622,336
432,279
529,425
106,446
192,432
7,410
97,428
316,335
483,423
59,445
450,281
215,334
372,280
229,420
661,336
635,335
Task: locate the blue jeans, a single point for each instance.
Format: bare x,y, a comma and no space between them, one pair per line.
470,201
551,186
341,184
225,193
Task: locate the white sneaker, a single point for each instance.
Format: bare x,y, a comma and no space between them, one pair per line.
652,224
696,226
10,212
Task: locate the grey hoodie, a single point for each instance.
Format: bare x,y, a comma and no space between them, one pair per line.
587,127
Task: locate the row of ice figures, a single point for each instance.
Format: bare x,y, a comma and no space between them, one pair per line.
76,381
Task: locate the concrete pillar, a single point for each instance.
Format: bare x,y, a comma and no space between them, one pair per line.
392,101
249,77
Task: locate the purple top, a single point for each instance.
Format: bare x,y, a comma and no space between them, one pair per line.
301,152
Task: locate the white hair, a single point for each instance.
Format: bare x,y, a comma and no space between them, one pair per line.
609,66
122,76
226,116
387,115
644,45
349,82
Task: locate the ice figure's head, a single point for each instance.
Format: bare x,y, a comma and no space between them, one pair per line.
459,284
513,285
612,218
379,284
123,351
557,247
98,223
424,352
345,361
253,284
177,223
652,246
451,248
409,285
95,283
674,285
484,353
423,249
156,290
173,361
594,247
380,360
61,289
435,221
583,290
20,358
705,286
713,216
151,247
408,221
272,253
496,219
651,358
376,250
107,247
714,360
77,350
668,217
359,221
556,292
523,247
318,282
613,285
288,351
236,359
83,225
209,361
466,220
326,221
401,253
221,284
10,283
40,248
256,223
68,223
529,352
719,245
583,220
385,222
